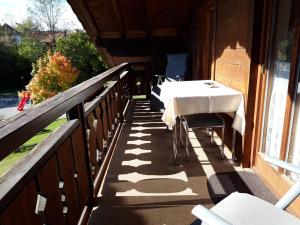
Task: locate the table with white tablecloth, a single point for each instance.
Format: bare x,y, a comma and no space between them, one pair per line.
202,96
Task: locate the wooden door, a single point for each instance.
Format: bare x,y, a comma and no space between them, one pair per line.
277,96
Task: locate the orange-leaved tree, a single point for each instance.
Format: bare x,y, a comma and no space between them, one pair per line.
53,73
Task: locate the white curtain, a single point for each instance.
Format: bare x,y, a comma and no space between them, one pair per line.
277,108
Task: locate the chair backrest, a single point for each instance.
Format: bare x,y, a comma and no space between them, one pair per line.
177,65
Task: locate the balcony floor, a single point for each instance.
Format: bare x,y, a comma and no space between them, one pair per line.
144,187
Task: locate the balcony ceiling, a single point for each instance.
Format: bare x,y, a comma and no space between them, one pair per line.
106,19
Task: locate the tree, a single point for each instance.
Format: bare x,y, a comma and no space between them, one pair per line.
54,73
82,52
31,49
46,13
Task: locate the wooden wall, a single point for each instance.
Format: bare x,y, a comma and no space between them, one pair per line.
233,43
222,30
199,41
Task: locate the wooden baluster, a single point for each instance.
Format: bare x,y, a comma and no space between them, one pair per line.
123,98
85,169
99,133
118,101
24,208
113,108
105,125
50,184
92,142
109,115
69,192
81,173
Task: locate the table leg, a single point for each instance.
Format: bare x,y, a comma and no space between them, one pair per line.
175,142
234,155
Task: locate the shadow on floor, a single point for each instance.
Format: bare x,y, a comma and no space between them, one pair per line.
143,186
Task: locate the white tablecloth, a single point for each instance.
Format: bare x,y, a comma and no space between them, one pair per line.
203,96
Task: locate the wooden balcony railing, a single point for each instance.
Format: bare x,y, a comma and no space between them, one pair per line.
58,181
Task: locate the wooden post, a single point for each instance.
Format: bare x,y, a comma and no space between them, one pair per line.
77,112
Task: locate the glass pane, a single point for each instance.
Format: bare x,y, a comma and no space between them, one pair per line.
294,149
278,78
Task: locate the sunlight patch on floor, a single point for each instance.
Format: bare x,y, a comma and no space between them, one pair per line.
139,128
139,134
136,177
133,192
138,142
136,163
137,151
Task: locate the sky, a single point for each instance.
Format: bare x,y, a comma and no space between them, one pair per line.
15,11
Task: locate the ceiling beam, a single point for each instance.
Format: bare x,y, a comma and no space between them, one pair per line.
146,19
86,18
118,15
196,5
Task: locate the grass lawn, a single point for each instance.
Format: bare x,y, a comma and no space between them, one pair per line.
14,157
139,97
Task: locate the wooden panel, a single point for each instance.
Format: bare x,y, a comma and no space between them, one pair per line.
67,174
133,12
104,15
167,13
234,24
80,167
92,143
278,183
232,68
22,209
233,43
48,179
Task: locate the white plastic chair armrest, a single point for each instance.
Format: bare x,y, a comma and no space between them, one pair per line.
208,216
157,75
289,197
283,164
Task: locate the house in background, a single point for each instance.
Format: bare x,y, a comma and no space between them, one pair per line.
9,35
48,37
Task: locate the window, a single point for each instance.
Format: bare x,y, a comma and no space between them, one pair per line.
279,65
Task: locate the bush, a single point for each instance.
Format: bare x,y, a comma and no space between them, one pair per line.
14,69
54,73
31,49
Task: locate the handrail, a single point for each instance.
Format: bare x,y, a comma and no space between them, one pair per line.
24,170
16,130
65,171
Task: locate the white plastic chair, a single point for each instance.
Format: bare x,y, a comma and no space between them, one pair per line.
175,71
244,209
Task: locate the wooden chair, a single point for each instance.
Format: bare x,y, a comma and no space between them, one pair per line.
200,121
175,71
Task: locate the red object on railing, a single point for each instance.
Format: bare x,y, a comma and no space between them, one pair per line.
24,100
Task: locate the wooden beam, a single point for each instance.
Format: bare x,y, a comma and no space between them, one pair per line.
136,34
142,46
85,16
111,34
257,57
146,21
118,15
165,32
